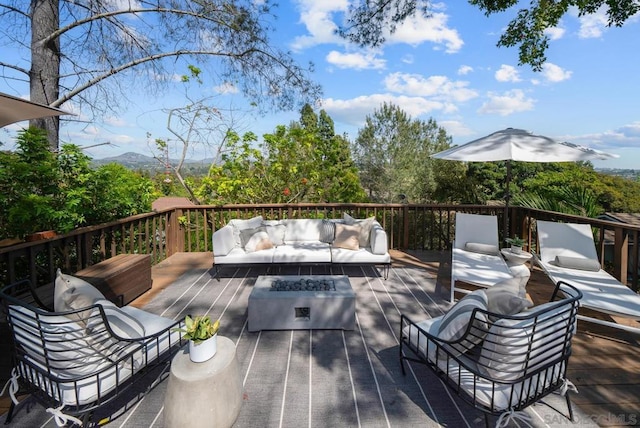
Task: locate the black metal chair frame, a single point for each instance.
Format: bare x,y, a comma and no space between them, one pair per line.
42,347
530,370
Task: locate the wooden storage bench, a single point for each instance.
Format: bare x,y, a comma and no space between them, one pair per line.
121,278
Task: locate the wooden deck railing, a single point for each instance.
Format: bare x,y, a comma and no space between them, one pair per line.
189,228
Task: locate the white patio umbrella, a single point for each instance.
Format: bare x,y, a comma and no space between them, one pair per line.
14,109
519,145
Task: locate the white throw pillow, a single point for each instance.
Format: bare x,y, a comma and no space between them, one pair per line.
507,297
71,293
121,323
455,322
240,225
365,228
275,230
476,247
347,237
258,241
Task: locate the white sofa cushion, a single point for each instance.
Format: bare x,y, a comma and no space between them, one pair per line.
121,323
302,252
307,230
455,322
507,297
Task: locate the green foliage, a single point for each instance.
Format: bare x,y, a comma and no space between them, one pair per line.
305,162
368,22
393,153
42,191
199,328
516,241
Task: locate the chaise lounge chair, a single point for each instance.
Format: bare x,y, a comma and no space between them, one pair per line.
568,254
475,256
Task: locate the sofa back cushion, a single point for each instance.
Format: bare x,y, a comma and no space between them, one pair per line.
302,229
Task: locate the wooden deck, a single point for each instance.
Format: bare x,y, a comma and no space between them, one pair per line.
605,366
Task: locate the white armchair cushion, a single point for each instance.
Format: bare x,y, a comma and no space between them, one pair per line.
71,293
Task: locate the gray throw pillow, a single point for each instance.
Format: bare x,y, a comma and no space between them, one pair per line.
579,263
327,231
476,247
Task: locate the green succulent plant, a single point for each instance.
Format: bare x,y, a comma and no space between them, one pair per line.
199,328
516,241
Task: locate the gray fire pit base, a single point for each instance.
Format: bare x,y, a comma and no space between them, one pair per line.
302,310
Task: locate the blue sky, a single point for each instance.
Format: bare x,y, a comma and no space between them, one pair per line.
446,67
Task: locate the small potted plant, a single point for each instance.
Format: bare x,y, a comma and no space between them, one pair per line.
202,335
516,244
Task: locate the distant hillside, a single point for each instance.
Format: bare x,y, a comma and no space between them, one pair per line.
631,174
137,161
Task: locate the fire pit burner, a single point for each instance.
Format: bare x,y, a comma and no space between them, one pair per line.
303,285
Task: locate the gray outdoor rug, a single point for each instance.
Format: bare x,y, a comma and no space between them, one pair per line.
317,378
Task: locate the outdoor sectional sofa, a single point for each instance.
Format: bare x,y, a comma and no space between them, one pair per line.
345,241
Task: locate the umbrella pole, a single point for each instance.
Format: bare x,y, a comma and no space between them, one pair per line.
507,197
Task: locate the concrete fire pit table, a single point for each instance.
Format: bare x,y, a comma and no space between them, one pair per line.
287,302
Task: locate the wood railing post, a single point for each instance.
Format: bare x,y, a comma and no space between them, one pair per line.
621,254
405,223
174,233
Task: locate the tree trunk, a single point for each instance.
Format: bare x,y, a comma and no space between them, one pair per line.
45,64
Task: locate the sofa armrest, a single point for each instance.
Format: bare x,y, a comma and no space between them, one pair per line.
378,239
223,241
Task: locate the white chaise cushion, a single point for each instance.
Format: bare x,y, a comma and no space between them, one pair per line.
476,247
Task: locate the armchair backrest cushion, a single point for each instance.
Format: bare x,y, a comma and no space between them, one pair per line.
516,346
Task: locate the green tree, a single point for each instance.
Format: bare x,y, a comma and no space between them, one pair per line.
392,152
369,21
304,162
94,52
40,190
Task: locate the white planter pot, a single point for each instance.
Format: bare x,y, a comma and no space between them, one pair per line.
516,250
203,351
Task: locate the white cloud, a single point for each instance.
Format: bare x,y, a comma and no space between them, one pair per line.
455,128
555,33
593,25
357,61
554,73
115,121
408,59
354,111
226,88
437,87
507,103
464,70
626,136
317,18
434,29
507,73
